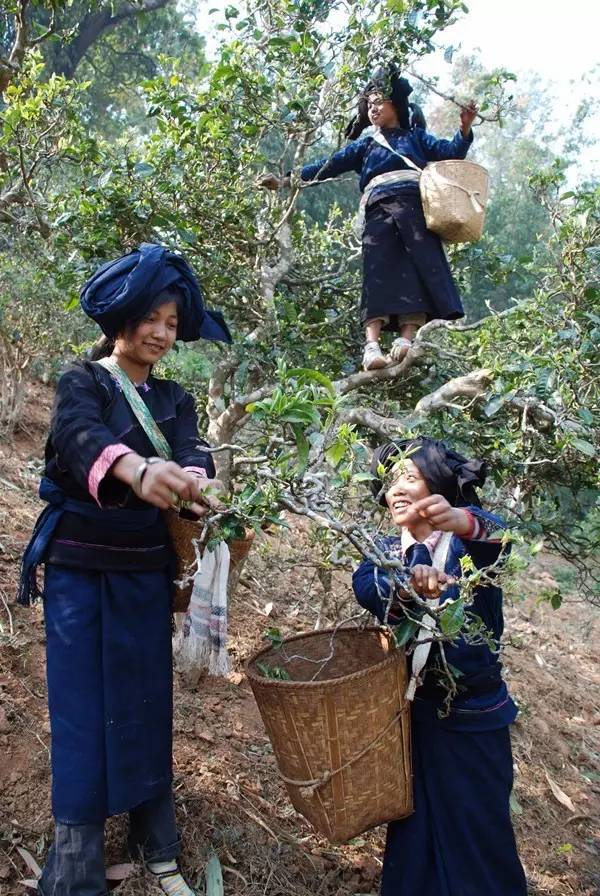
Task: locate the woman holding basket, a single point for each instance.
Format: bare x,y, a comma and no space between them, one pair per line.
108,568
459,841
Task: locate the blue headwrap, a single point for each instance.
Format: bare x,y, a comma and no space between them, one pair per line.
125,290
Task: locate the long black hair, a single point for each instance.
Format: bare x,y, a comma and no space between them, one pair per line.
387,80
102,348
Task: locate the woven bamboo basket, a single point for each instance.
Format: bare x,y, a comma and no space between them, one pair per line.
454,194
182,533
340,728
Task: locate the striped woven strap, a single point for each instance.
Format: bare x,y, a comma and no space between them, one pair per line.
139,408
426,632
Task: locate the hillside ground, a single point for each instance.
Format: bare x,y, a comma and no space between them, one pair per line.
228,795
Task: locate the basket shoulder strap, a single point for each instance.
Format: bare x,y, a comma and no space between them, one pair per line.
379,138
440,553
424,636
139,408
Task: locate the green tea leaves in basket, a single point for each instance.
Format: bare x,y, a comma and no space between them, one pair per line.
274,636
275,672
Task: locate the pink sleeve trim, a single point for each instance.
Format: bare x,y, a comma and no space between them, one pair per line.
472,525
102,465
477,532
199,471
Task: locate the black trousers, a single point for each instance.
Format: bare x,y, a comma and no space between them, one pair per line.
75,863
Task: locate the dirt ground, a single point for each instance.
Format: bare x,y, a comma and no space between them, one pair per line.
228,795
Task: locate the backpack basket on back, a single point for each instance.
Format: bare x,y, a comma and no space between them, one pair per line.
454,194
339,727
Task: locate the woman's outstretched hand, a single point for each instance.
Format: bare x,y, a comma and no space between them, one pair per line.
468,114
272,182
168,485
441,515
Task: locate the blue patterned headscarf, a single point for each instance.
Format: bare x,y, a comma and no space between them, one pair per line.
125,290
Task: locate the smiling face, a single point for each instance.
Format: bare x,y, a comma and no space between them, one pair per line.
151,339
407,488
382,112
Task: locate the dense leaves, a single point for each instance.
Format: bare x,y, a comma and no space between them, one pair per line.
518,385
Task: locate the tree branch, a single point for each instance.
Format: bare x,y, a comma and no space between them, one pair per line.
92,27
452,99
10,66
472,385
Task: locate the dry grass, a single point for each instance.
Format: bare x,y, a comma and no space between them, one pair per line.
228,795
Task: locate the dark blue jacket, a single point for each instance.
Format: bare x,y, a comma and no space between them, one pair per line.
483,702
368,158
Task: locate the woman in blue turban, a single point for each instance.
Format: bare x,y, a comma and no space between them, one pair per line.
459,841
108,562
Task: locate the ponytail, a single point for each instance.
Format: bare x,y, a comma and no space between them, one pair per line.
102,348
417,118
360,121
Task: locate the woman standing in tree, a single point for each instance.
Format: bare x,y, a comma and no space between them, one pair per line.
406,276
459,841
108,570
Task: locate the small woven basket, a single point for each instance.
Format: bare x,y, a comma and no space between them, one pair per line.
454,194
183,533
340,728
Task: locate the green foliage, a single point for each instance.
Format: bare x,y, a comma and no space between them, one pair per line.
276,673
274,636
286,272
404,632
213,874
453,618
187,366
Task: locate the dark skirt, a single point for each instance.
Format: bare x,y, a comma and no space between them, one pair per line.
405,269
460,840
108,645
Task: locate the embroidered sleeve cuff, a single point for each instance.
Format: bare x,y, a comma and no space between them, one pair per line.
199,471
477,532
102,465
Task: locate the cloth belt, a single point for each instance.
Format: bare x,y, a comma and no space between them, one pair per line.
48,520
474,684
389,177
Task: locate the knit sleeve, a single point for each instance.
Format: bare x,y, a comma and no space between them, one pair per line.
484,542
436,150
350,158
84,445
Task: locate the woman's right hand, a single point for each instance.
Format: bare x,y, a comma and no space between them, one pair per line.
164,484
272,182
428,581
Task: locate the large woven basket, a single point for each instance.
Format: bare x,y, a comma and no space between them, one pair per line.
183,533
454,194
340,729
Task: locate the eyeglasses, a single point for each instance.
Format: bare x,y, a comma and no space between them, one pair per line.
376,101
